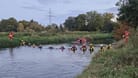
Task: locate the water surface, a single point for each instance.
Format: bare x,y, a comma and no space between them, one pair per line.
28,62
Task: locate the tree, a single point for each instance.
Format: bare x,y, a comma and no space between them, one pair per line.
61,28
70,23
95,21
80,22
128,12
20,27
108,24
52,28
107,16
25,23
35,26
8,25
91,21
12,24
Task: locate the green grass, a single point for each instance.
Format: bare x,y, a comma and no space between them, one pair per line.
115,63
50,38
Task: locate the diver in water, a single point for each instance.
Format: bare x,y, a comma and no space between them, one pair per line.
40,46
62,48
74,48
109,46
33,45
102,49
83,48
91,48
50,47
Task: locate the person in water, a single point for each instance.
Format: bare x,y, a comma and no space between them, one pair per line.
91,48
102,49
33,45
109,46
40,46
29,44
50,47
83,48
73,48
80,41
62,48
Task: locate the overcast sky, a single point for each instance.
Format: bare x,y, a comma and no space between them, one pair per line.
60,9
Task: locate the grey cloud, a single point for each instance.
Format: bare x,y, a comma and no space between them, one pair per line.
47,1
33,8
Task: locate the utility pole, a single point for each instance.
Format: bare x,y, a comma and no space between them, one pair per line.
50,16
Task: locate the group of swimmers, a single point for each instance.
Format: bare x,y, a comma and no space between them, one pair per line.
107,47
23,43
83,48
91,48
74,48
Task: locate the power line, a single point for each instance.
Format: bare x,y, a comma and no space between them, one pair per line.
50,16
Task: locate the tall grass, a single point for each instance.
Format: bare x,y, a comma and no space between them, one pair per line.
115,63
50,38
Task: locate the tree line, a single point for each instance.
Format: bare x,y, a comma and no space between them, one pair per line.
91,21
94,21
11,24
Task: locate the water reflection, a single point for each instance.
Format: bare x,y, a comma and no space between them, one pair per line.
11,53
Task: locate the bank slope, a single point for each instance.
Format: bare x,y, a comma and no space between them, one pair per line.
115,63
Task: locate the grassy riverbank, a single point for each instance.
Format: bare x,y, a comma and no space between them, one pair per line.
52,38
115,63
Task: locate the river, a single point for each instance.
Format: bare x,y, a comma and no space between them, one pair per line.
29,62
